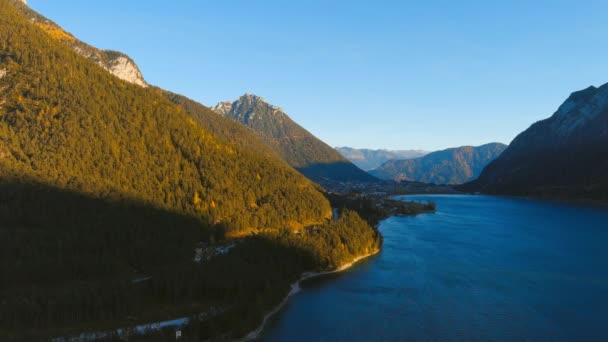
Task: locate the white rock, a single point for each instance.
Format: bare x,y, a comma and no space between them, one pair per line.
572,115
124,69
223,108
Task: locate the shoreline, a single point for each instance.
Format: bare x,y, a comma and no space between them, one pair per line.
295,288
554,199
177,322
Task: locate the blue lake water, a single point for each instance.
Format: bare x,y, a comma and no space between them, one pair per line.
481,268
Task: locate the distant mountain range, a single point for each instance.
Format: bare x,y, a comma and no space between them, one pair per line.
564,156
450,166
368,159
302,150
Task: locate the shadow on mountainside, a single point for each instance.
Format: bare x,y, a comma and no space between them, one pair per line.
72,263
560,172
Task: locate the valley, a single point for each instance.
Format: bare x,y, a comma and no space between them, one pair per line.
131,212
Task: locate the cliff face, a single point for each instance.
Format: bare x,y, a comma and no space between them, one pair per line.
563,156
117,63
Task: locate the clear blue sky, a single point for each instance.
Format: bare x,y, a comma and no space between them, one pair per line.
379,74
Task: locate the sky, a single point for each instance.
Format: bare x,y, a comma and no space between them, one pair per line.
375,74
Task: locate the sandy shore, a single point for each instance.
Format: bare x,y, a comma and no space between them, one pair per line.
295,288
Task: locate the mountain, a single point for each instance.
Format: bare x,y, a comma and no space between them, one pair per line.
450,166
137,143
111,193
302,150
117,63
368,159
563,156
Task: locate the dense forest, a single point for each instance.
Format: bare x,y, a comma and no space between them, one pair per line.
223,127
58,107
91,264
107,189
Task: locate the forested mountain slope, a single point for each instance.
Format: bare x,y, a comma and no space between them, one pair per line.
297,146
117,63
107,188
227,129
58,108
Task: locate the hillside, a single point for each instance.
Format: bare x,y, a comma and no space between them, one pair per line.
137,144
450,166
223,127
117,63
294,144
108,189
367,159
564,156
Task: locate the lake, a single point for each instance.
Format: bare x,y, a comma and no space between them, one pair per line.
480,268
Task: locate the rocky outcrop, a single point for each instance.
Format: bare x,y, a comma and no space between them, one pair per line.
563,156
302,150
249,107
125,69
223,108
117,63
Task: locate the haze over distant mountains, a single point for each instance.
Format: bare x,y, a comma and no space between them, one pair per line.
368,159
302,150
450,166
564,156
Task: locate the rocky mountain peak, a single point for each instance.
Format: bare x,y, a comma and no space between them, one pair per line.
223,108
255,101
249,107
298,147
580,107
252,97
563,156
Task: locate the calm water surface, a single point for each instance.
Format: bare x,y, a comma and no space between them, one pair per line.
481,268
